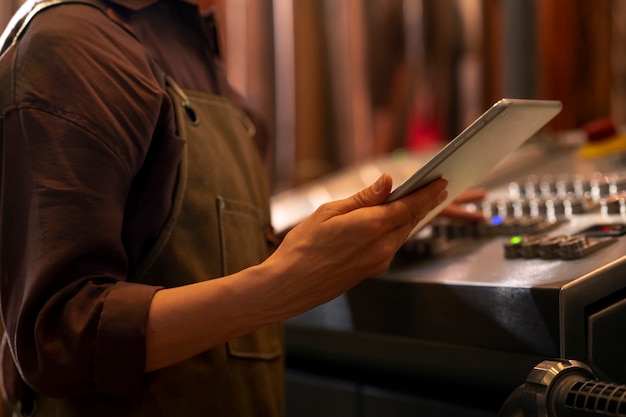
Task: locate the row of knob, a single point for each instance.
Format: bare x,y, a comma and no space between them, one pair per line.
445,234
548,208
552,208
593,186
528,240
553,197
554,247
492,227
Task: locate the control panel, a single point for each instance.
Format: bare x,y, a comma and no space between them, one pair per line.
527,214
478,304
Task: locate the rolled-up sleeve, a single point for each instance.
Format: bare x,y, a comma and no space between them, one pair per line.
121,339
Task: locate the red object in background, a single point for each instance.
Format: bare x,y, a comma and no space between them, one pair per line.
599,129
423,133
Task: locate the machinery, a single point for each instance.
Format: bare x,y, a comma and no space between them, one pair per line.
468,310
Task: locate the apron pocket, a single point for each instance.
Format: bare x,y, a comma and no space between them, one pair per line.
242,235
243,243
265,344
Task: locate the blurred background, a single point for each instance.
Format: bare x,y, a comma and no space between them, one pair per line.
340,82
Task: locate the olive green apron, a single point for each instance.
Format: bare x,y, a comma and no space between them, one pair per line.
218,225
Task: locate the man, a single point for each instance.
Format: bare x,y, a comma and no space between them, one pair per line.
134,233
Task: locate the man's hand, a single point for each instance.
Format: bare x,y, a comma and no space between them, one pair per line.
348,240
456,210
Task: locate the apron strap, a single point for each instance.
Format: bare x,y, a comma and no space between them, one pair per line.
20,21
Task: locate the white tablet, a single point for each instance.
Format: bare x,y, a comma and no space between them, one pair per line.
479,148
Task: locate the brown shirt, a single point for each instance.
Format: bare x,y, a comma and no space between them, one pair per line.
89,158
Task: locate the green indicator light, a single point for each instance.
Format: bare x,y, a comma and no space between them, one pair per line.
516,240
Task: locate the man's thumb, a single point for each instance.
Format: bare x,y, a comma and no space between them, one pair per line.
375,194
